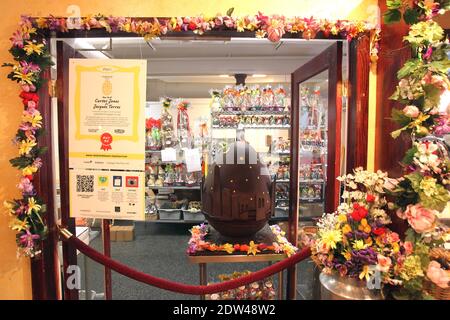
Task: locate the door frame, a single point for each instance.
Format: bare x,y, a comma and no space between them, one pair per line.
45,269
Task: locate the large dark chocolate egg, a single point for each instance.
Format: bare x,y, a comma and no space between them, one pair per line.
236,193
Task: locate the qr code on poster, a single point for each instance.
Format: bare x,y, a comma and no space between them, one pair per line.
85,183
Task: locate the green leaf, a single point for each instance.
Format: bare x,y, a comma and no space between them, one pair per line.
411,235
393,4
399,117
438,200
392,16
230,11
411,16
415,178
395,134
409,68
409,156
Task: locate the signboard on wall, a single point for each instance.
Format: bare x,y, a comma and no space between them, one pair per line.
107,138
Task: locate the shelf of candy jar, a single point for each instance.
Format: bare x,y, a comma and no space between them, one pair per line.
256,122
256,98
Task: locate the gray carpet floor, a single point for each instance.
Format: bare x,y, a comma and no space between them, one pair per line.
159,250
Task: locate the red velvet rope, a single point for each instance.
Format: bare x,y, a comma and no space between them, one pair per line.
185,288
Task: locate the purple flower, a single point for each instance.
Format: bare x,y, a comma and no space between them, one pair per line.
37,163
28,67
427,54
27,239
17,39
26,186
443,126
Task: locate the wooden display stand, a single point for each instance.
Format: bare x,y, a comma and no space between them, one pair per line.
203,260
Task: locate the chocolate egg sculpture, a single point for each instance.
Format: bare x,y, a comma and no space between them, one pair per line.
236,193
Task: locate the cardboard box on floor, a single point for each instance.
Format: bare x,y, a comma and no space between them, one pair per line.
122,233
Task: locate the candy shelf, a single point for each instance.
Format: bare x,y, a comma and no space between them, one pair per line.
174,187
285,127
250,113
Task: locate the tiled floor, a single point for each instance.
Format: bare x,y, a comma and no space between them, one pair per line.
159,250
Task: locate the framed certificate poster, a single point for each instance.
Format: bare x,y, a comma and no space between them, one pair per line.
107,138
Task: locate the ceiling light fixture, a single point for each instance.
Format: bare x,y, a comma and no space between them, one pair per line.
259,75
224,76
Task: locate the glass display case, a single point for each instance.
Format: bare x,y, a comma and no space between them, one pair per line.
312,147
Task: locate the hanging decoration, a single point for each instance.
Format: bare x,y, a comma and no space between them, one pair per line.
31,58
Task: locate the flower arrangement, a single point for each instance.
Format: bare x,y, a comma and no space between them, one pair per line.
199,243
422,195
355,240
31,57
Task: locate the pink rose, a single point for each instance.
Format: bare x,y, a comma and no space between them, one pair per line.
400,214
420,218
408,247
393,237
438,275
411,111
384,263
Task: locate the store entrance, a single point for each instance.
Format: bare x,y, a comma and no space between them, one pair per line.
286,99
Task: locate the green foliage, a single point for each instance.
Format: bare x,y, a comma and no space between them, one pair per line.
411,15
439,195
392,16
409,156
399,117
21,162
230,11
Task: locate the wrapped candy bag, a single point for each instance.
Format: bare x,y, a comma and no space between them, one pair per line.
167,136
216,100
153,138
279,98
183,127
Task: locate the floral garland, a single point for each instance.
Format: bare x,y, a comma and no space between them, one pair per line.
422,195
31,57
197,243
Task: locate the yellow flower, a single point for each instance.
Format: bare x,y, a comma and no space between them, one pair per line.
379,241
25,146
27,78
240,25
359,245
32,47
36,120
8,206
428,185
260,34
395,247
365,273
228,248
252,248
346,229
342,218
347,255
41,22
19,225
33,206
330,238
27,171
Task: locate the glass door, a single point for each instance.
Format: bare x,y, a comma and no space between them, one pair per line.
316,142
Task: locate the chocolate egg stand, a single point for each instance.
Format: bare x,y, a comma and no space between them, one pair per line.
237,196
